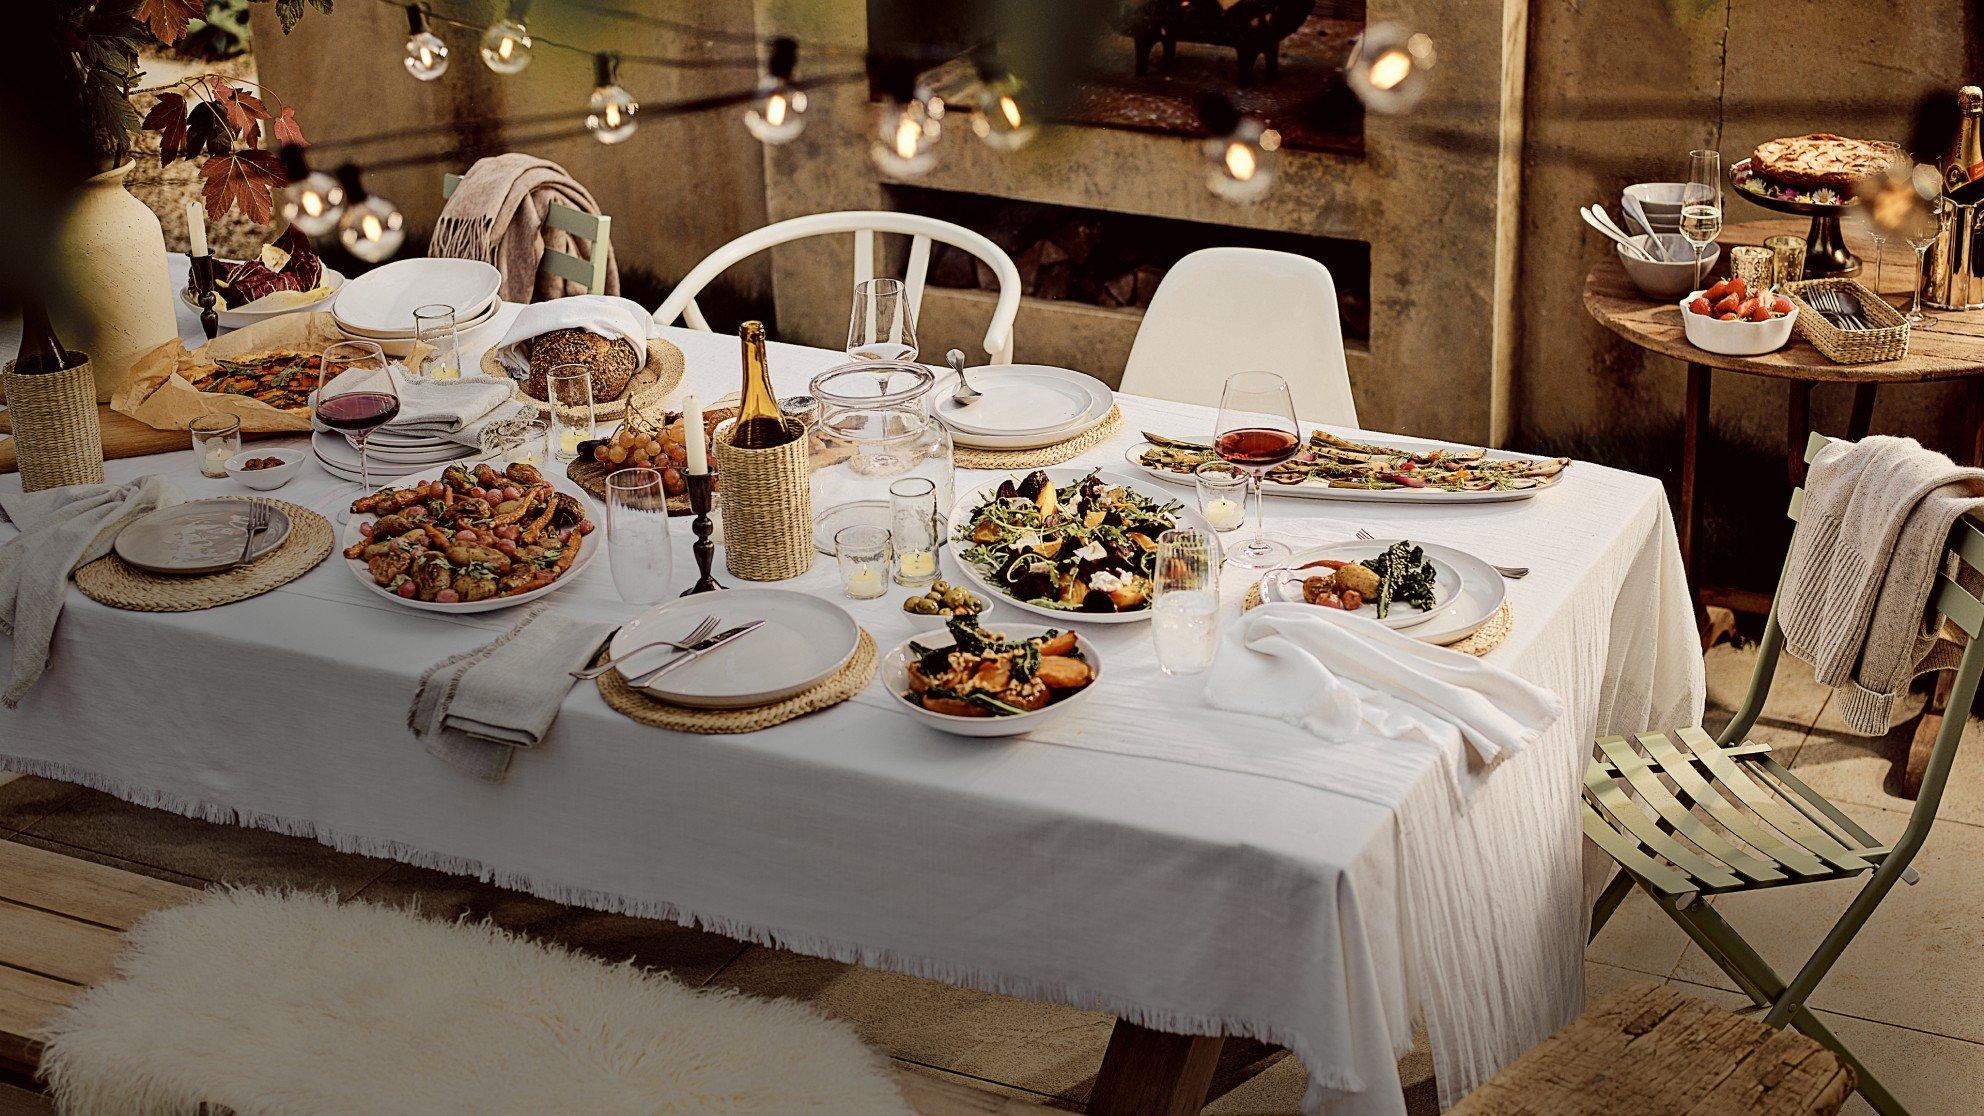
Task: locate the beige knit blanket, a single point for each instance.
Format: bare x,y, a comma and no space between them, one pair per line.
496,215
1855,602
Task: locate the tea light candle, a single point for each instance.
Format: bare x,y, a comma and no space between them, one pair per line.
692,436
214,461
568,443
914,567
865,583
1224,514
196,227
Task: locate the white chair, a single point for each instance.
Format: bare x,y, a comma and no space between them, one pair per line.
1226,310
864,224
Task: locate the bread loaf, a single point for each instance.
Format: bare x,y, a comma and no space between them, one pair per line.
612,361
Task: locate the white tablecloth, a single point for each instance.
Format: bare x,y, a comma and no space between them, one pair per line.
1189,870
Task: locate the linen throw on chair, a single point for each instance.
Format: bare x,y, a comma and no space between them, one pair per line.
496,215
1855,600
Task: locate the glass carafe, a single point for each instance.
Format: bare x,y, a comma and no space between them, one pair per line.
876,427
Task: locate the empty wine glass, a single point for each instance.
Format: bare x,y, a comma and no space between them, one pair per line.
1701,204
637,543
882,327
357,394
1184,621
1257,430
1921,232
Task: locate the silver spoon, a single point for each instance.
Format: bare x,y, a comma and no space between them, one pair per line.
965,395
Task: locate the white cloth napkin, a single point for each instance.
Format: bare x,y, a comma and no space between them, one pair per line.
1338,675
61,529
477,708
605,315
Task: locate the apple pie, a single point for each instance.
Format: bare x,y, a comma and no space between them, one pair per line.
1822,160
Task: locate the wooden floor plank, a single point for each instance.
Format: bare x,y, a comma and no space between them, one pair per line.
80,889
26,1001
54,946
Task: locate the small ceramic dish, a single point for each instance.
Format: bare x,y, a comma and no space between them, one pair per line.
1666,280
895,675
1737,338
265,480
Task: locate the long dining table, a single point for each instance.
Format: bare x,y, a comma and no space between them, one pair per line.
1196,873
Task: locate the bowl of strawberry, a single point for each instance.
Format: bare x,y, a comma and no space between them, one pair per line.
1733,319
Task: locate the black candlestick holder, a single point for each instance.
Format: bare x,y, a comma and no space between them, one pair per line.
204,274
702,495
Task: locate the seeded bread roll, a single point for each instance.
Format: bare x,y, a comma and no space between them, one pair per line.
612,361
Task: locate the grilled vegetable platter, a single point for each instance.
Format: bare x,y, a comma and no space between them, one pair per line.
970,680
1331,467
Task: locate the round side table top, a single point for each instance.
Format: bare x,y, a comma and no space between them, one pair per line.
1948,345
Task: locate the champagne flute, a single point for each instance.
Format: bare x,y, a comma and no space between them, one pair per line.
637,543
1185,600
1701,204
1257,430
357,394
882,326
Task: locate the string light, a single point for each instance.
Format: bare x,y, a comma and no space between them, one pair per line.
909,125
1900,201
371,227
611,110
1389,67
426,54
1240,151
999,118
313,200
778,114
506,45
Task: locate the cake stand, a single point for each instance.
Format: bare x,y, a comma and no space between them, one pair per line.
1826,254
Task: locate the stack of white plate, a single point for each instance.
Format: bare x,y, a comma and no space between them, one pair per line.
389,455
1023,406
379,305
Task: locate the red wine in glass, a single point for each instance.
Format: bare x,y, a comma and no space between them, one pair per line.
1257,447
358,411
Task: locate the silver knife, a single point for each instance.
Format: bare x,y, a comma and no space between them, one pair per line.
708,646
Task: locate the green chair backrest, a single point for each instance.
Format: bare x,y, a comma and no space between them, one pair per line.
597,230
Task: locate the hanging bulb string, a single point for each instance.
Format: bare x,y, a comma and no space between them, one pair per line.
673,62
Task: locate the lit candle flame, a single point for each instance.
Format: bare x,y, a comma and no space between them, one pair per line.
1011,110
1240,162
1390,68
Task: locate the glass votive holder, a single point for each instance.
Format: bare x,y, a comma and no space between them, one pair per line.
863,550
913,530
1222,494
434,325
216,437
523,440
1752,265
568,394
1787,259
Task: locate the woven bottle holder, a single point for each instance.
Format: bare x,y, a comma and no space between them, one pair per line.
57,438
767,507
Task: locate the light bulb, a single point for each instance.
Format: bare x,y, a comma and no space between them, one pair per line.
426,55
1001,120
778,113
610,112
370,227
906,138
1900,201
1389,67
1241,164
313,200
506,46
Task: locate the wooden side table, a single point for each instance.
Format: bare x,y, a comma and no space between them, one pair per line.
1948,345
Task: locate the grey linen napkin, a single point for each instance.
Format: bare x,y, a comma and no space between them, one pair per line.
477,708
1855,599
61,529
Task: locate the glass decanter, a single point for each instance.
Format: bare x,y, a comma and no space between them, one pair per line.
876,427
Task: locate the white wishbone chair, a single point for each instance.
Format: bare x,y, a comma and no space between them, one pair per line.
864,224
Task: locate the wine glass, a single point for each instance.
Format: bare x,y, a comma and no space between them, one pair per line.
1257,431
1921,232
882,327
1185,600
357,394
637,545
1701,204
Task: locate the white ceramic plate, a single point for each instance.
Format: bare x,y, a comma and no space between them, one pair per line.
269,306
466,320
589,546
1313,490
1019,399
382,301
1481,591
332,447
1446,580
988,379
969,502
895,675
199,537
803,641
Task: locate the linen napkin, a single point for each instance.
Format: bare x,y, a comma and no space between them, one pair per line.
477,708
606,315
1338,675
61,529
442,407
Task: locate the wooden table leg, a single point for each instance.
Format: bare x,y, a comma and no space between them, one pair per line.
1861,419
1154,1073
1797,428
1694,431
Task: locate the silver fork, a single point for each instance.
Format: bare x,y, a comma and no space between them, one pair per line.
1511,572
697,635
258,521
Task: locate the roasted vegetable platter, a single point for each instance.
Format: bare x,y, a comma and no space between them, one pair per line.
1387,470
997,679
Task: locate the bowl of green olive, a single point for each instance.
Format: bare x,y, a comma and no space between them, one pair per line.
944,599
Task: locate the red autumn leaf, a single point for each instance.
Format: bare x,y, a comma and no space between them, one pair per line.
168,119
287,130
167,18
243,180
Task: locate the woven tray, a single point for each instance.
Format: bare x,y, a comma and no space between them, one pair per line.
1888,341
108,580
1479,642
591,475
657,380
648,710
966,458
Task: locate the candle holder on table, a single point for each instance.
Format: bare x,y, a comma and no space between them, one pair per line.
701,497
205,272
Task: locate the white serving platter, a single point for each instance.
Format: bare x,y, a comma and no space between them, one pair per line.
381,302
803,641
1315,490
1481,588
197,537
895,675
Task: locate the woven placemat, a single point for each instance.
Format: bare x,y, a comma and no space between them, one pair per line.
658,378
110,581
648,710
1482,640
967,458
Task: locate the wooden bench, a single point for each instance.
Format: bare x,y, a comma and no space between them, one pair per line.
1651,1050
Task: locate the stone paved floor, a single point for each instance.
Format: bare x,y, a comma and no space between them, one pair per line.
1906,996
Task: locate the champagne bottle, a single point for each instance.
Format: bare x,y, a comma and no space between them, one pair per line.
41,351
760,423
1965,162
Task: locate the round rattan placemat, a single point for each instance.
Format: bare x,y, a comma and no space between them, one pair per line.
110,581
967,458
850,680
659,376
1482,640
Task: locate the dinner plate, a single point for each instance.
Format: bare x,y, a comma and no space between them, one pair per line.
269,305
382,301
589,546
1446,580
464,321
988,379
1186,517
1019,399
1313,490
1482,590
333,447
198,537
803,641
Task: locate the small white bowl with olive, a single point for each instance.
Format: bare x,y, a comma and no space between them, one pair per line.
944,599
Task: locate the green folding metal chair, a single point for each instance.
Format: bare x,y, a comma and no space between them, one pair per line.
598,230
1687,816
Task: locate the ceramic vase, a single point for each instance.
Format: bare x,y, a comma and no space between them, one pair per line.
120,293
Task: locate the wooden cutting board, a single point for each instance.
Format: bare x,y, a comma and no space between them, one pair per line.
123,436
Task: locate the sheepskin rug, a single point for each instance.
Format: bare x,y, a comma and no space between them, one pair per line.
294,1003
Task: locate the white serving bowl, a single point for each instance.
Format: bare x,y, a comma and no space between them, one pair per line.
1738,338
1660,200
1666,280
264,480
895,675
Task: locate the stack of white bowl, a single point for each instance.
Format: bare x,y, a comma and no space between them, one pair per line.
1660,200
378,306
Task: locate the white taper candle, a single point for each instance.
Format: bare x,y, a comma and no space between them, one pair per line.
692,436
196,226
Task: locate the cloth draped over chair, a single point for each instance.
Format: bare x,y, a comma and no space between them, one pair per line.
497,216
